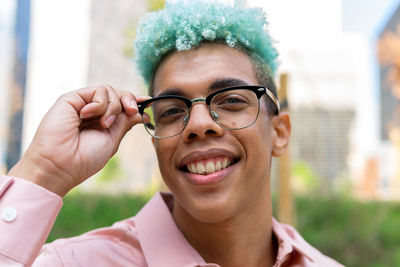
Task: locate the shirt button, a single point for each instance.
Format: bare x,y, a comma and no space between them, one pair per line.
9,214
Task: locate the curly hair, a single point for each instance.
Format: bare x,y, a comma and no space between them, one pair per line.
186,24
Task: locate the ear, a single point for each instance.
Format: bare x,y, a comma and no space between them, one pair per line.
282,129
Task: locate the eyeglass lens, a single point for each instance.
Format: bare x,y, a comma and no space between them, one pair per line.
233,109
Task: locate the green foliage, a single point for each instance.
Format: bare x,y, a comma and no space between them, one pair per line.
303,177
354,233
111,171
155,5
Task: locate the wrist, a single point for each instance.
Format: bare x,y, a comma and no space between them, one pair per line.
41,172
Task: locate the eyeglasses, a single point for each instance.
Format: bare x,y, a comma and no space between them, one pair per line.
233,108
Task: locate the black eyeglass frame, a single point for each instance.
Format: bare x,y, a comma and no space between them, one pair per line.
259,90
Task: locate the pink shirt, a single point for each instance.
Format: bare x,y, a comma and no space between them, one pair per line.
151,238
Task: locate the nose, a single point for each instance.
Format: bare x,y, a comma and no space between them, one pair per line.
200,124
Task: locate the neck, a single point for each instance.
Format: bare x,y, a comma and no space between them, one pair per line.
245,239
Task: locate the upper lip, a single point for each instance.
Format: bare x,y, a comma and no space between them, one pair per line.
205,154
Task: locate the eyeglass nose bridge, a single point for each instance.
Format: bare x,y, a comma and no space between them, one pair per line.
214,115
199,99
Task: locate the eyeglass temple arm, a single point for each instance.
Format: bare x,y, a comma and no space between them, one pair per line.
273,98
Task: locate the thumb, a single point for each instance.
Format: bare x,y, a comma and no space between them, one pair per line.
122,125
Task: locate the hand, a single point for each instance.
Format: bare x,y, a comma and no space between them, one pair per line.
77,137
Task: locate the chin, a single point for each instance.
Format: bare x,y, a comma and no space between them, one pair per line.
211,208
211,215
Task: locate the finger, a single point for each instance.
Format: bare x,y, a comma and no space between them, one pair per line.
129,102
140,98
127,119
126,122
131,114
146,118
97,101
114,108
122,125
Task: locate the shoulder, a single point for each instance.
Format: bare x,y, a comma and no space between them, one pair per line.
117,245
288,236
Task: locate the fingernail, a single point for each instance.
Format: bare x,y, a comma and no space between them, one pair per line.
109,121
133,104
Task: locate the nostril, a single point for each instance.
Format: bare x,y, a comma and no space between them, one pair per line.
207,133
192,135
210,132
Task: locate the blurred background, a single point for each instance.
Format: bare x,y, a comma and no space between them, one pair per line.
340,74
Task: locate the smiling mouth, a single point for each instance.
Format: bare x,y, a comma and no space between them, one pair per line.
205,167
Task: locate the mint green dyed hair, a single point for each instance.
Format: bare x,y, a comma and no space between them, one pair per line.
186,24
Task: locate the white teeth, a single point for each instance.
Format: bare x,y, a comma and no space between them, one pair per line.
209,167
193,167
224,163
218,166
200,168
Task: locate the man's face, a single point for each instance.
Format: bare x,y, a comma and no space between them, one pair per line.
245,181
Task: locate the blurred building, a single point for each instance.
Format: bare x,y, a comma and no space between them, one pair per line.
75,44
388,163
328,50
7,29
15,19
373,160
320,60
320,137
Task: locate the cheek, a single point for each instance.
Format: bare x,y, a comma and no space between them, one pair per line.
164,149
259,140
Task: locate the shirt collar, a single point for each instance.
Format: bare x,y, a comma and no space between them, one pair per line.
164,245
287,242
162,242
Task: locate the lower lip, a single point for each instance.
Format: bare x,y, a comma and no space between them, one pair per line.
208,179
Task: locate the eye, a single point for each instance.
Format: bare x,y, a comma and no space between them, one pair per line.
168,110
171,112
231,102
232,99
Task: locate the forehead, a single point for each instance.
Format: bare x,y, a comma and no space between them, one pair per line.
197,69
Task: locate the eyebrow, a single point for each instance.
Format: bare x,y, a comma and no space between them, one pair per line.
217,84
226,82
171,91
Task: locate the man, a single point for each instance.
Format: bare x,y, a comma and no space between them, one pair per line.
215,125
